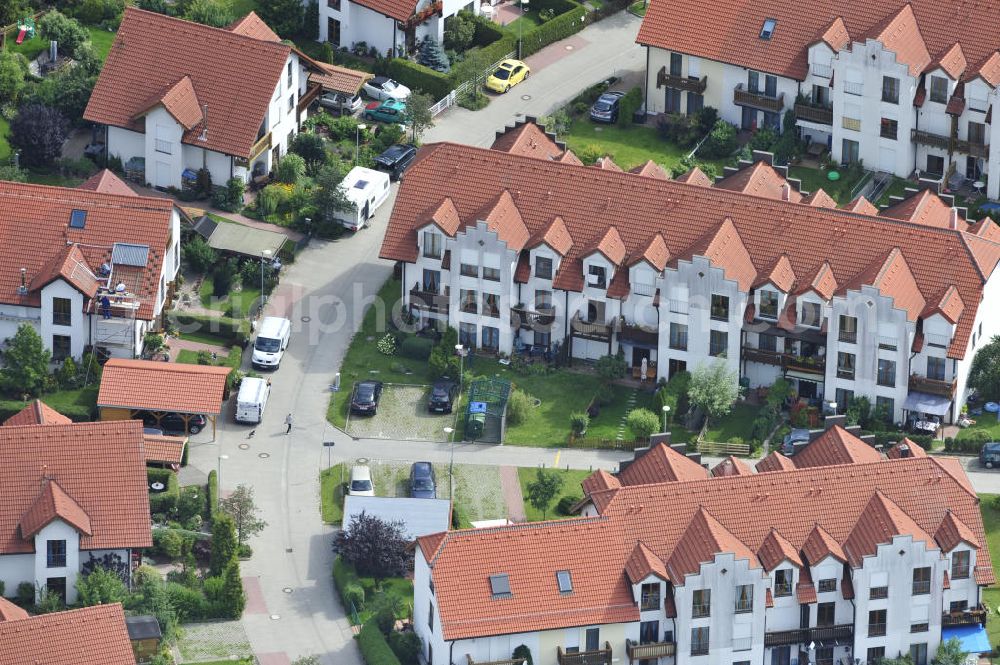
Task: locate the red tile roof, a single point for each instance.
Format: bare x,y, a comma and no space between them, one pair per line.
158,386
805,591
88,636
642,563
775,550
180,101
950,306
780,275
253,26
37,413
34,220
953,61
696,177
924,207
555,235
651,170
685,215
774,461
953,532
704,538
862,206
35,456
400,10
162,449
990,69
611,246
106,182
339,79
921,27
526,138
51,504
153,53
820,199
724,247
760,179
731,466
819,544
835,446
655,253
607,164
569,157
894,279
912,450
598,481
10,612
880,522
445,216
70,265
503,218
659,464
824,283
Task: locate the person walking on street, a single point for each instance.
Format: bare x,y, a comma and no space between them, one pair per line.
288,421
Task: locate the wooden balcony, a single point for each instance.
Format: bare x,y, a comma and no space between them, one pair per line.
922,384
803,364
651,650
969,617
695,85
630,332
262,144
928,138
761,356
758,100
817,114
599,332
975,149
843,633
598,657
508,661
312,92
540,319
428,301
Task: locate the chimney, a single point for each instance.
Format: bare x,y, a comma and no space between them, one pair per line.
953,219
830,421
786,191
23,289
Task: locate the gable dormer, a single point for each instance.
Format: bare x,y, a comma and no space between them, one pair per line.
547,249
772,289
646,265
442,222
599,264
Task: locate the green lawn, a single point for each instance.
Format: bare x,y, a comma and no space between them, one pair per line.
241,302
605,425
30,48
102,40
639,7
53,179
628,147
570,487
331,487
736,424
991,596
813,179
233,358
4,146
528,21
987,422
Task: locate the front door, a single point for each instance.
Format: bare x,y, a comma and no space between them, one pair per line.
163,175
749,118
807,389
638,355
57,585
333,32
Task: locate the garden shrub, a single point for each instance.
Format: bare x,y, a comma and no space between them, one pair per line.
55,26
190,604
459,31
290,169
721,142
229,197
578,422
971,442
416,348
419,77
565,505
431,54
165,501
763,139
374,647
679,129
522,651
628,105
519,404
642,422
407,647
168,543
387,345
25,593
674,393
562,26
385,619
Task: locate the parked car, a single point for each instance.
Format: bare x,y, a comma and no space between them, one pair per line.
508,74
340,102
174,422
396,159
605,109
423,484
989,456
793,437
361,482
93,150
364,400
391,110
443,394
383,87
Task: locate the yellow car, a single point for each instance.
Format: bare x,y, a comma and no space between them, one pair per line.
507,75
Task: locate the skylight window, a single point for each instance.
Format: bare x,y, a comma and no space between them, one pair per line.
500,586
360,184
565,581
78,219
768,29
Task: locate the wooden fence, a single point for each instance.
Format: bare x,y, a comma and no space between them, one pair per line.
717,448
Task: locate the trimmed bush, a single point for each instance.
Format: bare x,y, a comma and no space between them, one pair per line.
642,422
518,407
418,77
578,422
374,647
407,647
565,505
416,348
213,492
165,501
629,104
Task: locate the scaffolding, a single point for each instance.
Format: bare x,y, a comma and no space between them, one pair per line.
115,309
485,417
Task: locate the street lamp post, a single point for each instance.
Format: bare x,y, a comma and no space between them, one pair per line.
666,410
265,254
357,141
460,350
218,480
520,27
451,464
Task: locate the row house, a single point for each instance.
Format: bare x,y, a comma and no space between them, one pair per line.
682,566
899,86
747,270
60,514
175,97
89,268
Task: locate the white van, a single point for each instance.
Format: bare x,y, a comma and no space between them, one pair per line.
252,399
272,339
367,189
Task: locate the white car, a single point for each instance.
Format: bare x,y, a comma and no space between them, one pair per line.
361,482
383,87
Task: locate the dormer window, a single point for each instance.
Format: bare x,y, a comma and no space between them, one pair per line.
543,267
939,89
432,245
811,314
597,277
767,30
768,305
500,586
649,597
960,564
783,582
55,554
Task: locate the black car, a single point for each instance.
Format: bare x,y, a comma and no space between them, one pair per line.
395,160
423,485
605,109
989,456
364,400
443,394
174,422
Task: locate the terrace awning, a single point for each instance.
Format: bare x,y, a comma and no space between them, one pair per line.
934,405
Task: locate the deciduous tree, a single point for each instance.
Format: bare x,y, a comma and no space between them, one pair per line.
283,16
39,133
100,587
375,547
223,544
714,388
312,148
543,489
26,362
210,12
241,507
418,113
984,375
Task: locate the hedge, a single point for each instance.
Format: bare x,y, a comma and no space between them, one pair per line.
418,77
344,577
416,348
213,493
486,33
560,27
477,60
165,501
374,647
235,331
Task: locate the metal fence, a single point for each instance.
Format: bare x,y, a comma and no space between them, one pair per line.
451,98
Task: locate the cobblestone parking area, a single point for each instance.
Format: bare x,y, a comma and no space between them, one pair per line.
213,640
402,415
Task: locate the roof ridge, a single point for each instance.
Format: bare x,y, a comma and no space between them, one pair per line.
9,185
203,26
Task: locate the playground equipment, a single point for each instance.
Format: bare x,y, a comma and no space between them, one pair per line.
26,29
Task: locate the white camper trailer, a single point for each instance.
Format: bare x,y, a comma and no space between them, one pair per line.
252,399
367,189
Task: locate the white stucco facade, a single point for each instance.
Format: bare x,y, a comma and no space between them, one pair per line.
346,24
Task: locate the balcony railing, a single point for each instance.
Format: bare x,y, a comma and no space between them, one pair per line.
695,85
758,100
842,633
429,301
262,144
921,587
600,332
876,629
922,384
929,138
819,114
972,148
968,617
507,661
843,373
636,333
648,651
525,318
804,364
878,592
597,657
762,356
701,610
822,71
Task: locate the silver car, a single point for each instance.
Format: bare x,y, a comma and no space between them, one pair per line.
382,87
340,102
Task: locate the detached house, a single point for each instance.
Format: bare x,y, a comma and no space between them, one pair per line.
903,86
178,96
95,635
677,273
63,508
390,27
88,268
840,562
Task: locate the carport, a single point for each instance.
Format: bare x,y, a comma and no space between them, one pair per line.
163,450
331,78
238,239
130,387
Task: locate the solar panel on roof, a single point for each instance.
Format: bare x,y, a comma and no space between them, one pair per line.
127,254
78,219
